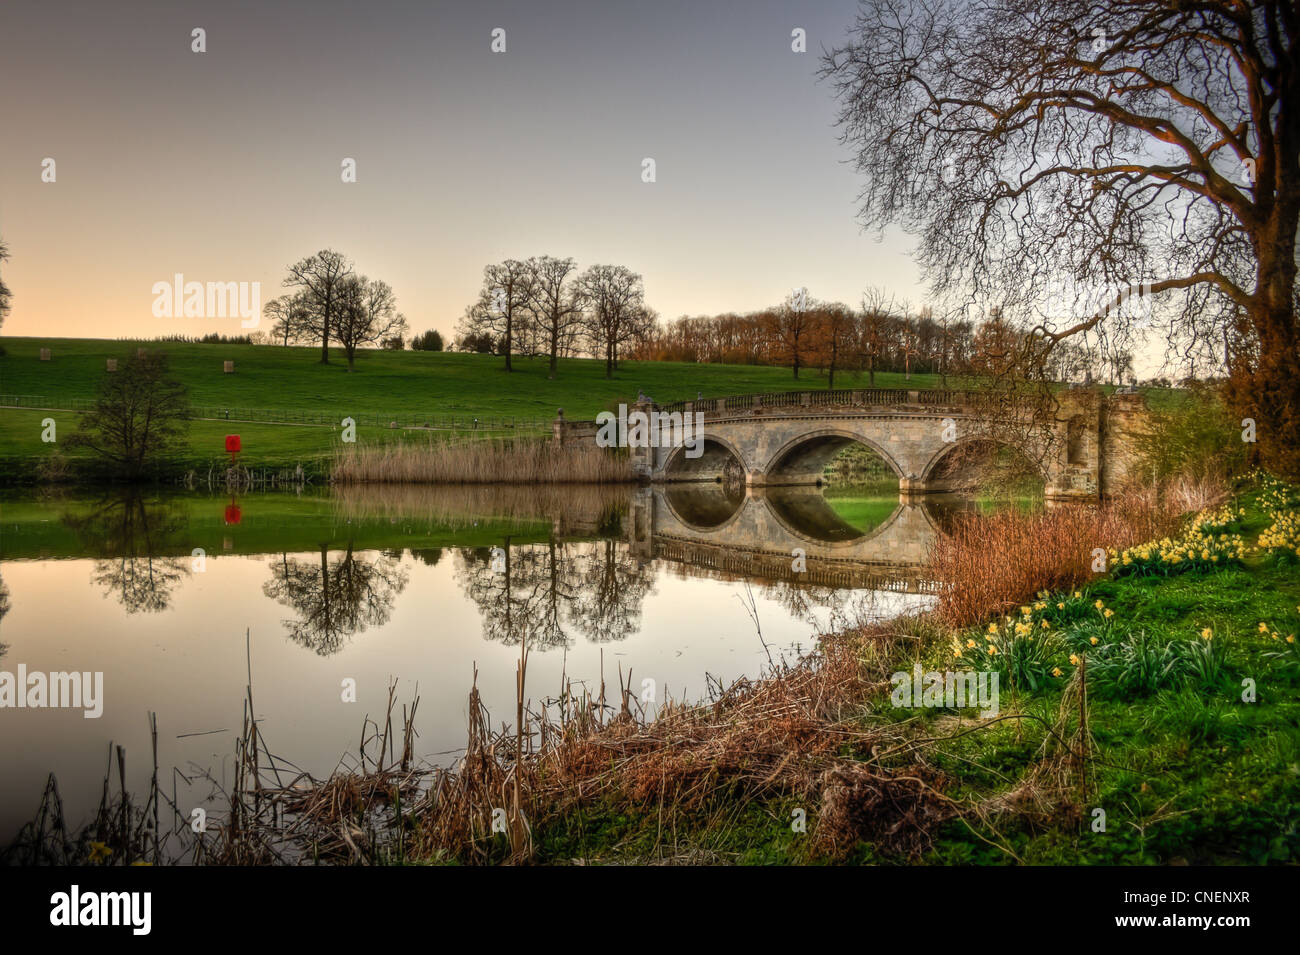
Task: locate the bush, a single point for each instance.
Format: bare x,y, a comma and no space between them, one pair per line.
429,341
1196,438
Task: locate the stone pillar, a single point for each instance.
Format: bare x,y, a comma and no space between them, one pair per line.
1074,458
1125,417
557,427
642,456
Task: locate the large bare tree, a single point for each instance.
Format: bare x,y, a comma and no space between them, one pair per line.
614,297
555,303
1059,157
503,304
366,315
320,278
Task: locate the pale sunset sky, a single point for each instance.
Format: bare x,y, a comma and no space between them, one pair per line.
224,166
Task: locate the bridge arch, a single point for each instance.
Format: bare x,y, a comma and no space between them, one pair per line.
709,466
933,467
810,452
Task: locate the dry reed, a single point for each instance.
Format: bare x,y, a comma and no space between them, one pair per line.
990,563
517,461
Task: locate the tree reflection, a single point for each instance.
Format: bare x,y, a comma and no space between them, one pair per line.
612,587
335,598
130,535
546,592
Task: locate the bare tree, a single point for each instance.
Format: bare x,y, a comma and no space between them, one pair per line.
366,315
873,326
503,305
289,317
615,304
320,277
833,340
555,303
140,418
1114,146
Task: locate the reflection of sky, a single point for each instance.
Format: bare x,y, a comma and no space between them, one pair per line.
188,665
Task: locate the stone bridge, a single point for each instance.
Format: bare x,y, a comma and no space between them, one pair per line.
1080,441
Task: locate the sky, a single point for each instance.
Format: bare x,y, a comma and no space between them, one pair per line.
226,165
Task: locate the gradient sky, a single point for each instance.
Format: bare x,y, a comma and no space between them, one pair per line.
225,166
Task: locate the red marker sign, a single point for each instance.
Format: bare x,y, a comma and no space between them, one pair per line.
232,443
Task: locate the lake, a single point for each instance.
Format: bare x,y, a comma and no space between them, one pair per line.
178,598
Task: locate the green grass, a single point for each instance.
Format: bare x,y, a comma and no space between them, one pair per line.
406,386
405,383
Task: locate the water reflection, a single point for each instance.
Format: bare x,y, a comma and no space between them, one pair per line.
550,565
129,537
404,581
335,598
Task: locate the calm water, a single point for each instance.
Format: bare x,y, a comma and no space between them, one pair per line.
164,593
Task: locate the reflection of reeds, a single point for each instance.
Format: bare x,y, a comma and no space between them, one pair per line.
464,505
120,833
482,462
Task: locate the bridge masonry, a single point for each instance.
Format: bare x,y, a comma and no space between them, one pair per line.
1084,446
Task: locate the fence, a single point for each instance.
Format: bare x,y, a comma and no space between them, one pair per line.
460,421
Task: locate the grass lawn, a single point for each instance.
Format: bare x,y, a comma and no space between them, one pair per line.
398,383
444,389
409,387
268,523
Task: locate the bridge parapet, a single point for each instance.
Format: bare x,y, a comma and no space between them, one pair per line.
796,401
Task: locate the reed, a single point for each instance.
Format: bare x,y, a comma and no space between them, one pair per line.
990,563
518,461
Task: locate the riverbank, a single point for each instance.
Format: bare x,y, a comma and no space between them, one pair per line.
1163,694
1149,714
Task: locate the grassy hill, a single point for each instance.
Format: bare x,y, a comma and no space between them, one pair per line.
397,383
271,384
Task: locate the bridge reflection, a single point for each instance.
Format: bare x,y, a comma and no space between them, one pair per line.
786,534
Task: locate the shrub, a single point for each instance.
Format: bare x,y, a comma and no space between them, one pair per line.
992,563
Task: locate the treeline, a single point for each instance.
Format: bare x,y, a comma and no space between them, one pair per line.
545,307
832,338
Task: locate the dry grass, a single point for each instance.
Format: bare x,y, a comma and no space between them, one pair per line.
990,563
518,461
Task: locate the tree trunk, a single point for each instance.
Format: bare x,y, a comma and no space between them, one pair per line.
1270,391
325,340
